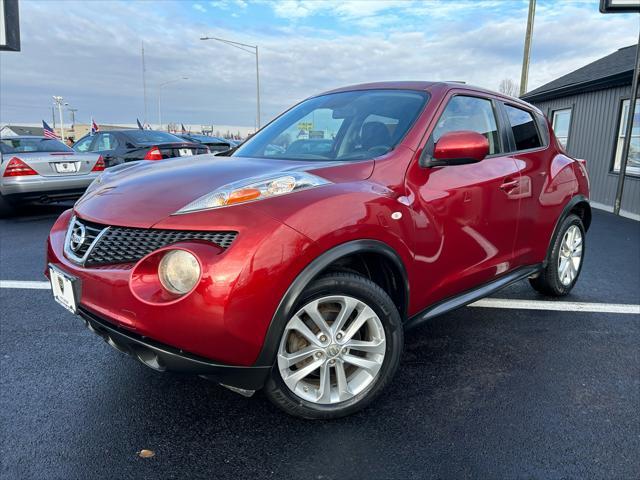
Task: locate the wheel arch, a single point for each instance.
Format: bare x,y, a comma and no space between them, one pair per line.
339,258
578,205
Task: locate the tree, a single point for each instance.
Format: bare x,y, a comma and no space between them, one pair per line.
508,87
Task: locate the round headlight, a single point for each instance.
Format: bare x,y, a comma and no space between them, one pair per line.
179,271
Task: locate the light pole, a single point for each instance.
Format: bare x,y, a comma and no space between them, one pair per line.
164,84
59,101
253,49
73,116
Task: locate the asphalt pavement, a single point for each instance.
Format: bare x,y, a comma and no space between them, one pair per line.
481,393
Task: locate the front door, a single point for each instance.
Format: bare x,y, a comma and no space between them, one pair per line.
469,212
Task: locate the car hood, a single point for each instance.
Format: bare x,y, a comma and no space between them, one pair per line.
141,194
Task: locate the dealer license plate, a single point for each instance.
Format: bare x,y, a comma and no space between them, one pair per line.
66,167
62,286
185,152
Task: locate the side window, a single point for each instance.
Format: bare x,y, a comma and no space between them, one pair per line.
105,142
524,128
83,144
469,113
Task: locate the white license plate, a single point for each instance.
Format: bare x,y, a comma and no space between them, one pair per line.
62,286
185,152
66,167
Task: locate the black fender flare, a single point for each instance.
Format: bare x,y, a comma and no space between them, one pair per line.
278,322
566,211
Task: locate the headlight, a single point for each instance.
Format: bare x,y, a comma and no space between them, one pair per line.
179,271
254,189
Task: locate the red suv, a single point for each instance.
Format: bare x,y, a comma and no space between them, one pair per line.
298,262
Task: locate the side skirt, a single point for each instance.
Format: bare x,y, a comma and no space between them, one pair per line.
471,296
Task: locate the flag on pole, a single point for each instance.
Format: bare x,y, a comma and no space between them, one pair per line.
184,130
48,131
94,126
139,124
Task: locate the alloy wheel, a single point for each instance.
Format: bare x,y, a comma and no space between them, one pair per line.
570,255
332,349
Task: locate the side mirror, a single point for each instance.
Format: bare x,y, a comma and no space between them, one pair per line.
458,148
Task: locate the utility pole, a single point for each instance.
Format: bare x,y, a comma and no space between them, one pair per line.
59,101
53,116
144,85
73,117
524,78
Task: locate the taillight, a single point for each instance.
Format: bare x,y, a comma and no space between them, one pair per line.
17,168
153,154
99,166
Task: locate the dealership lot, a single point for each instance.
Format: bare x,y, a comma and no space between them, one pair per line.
481,392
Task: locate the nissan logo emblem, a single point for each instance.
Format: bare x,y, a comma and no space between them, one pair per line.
78,236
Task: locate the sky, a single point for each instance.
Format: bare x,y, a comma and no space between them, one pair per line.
89,52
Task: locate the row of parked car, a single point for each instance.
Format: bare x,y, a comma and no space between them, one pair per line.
41,169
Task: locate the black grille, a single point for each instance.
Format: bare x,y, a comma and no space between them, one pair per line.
126,245
91,232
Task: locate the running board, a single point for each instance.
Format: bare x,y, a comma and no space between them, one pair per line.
471,296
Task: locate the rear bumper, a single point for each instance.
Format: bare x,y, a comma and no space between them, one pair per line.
161,358
34,187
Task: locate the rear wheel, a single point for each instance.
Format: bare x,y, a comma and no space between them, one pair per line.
565,259
340,347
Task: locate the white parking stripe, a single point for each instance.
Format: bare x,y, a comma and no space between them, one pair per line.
557,306
25,284
484,303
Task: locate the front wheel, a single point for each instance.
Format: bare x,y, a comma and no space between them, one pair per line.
340,347
565,259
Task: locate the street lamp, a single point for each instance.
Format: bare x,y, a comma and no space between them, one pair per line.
253,49
164,84
59,101
73,116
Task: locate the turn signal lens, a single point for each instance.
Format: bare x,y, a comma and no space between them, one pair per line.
243,195
179,271
153,154
17,168
99,166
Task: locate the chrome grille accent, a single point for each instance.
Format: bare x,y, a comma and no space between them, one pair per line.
118,245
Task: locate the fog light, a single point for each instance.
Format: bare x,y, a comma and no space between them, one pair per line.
179,271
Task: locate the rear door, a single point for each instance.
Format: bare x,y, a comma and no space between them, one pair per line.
470,211
106,144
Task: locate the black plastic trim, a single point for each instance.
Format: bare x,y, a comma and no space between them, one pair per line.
162,357
471,296
272,338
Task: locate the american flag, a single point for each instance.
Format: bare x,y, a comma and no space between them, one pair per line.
48,131
94,126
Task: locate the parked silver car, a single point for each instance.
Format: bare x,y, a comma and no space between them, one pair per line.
41,169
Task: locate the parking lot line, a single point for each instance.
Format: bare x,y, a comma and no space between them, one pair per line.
509,303
25,284
557,306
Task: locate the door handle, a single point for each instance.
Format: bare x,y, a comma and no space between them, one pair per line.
509,185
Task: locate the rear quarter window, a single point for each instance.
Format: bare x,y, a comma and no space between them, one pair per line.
524,128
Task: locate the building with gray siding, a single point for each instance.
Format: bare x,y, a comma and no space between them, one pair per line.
588,111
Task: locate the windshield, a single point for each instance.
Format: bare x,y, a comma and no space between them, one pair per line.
152,136
353,125
16,145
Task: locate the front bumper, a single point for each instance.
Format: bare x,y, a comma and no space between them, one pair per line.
225,318
163,358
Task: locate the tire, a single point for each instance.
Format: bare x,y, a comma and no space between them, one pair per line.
381,334
552,281
6,208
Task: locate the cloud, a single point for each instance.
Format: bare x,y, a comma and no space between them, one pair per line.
198,7
90,53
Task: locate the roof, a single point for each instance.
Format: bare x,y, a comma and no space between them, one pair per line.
22,130
613,70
